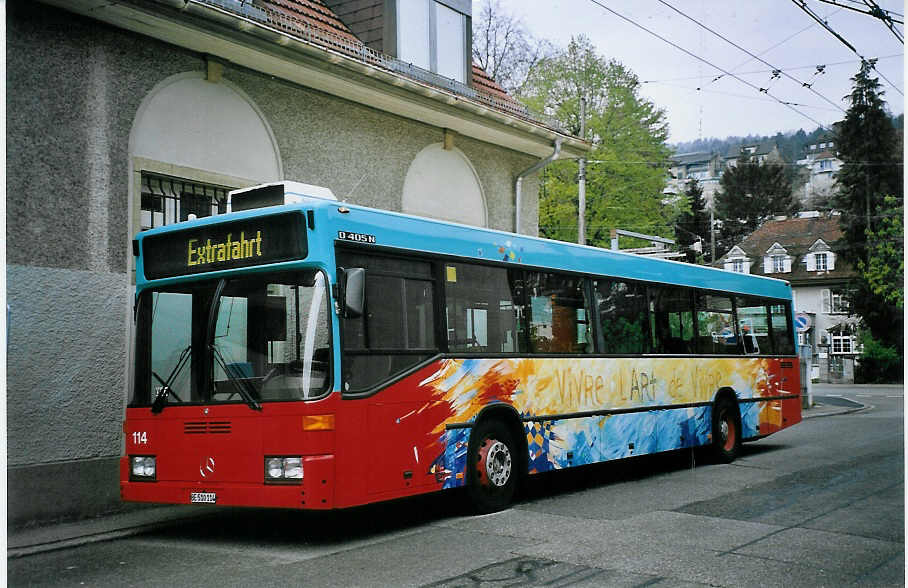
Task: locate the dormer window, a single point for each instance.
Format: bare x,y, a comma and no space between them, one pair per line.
778,264
433,35
736,261
820,258
776,260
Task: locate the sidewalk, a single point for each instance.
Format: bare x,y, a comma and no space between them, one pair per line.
33,540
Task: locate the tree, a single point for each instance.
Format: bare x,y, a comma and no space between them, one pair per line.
884,268
750,193
693,225
871,165
870,197
503,47
628,164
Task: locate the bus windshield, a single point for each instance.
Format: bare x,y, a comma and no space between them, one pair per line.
267,339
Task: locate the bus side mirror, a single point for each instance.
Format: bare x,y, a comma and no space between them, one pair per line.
354,288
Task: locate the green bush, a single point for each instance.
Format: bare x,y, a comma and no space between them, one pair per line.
878,363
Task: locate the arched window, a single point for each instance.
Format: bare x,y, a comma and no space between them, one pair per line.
441,183
193,140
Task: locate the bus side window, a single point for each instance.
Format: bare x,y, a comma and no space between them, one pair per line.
622,315
782,338
480,311
716,333
396,330
753,324
672,319
556,312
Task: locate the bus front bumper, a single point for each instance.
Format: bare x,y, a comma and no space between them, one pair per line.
315,491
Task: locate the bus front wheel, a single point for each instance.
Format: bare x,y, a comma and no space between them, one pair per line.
491,467
726,430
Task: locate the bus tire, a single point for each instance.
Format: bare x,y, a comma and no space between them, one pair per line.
726,432
491,466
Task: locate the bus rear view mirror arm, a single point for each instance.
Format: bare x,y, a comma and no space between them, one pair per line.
354,291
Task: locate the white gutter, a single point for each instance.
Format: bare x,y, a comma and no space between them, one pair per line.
518,184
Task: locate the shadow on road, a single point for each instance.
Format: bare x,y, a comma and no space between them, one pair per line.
269,527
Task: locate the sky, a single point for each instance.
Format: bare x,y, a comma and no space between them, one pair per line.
779,32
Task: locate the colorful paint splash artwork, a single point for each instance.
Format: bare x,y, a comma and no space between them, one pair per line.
557,399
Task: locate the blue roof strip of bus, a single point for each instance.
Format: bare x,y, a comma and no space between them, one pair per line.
412,233
407,232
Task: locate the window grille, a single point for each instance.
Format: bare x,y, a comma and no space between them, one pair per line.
167,200
842,343
821,262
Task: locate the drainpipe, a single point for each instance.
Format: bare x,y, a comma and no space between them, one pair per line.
519,183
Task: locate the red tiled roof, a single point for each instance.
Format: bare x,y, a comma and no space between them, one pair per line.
312,12
482,81
825,155
317,14
796,236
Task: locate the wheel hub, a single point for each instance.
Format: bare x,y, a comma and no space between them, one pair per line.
728,432
495,463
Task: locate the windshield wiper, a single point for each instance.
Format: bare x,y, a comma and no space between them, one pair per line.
242,385
160,398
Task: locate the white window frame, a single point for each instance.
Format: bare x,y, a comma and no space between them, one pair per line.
822,261
737,266
434,56
778,264
841,344
835,302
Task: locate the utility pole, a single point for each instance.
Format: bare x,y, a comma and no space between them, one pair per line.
581,188
712,235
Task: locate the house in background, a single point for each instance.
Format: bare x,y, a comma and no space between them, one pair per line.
804,251
126,115
702,166
763,152
707,167
822,164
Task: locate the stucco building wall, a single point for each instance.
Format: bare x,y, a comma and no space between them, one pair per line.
74,90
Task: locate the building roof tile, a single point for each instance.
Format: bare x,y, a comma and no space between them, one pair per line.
312,12
316,13
796,236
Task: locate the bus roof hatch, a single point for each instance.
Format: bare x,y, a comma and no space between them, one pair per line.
275,194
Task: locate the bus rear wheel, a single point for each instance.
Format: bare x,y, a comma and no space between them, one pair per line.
726,430
491,467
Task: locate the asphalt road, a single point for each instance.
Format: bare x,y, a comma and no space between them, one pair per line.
819,504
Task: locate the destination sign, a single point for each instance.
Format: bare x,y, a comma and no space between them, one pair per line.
229,245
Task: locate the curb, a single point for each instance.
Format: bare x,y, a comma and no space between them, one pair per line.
854,407
75,538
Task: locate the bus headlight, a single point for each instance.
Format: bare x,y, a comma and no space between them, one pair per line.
142,467
283,469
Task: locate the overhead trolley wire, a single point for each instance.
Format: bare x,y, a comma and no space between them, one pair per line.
760,71
776,72
782,42
697,57
802,4
741,96
878,13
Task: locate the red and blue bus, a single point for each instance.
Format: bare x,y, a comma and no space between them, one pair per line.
301,352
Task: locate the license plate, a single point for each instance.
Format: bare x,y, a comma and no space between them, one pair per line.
203,497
